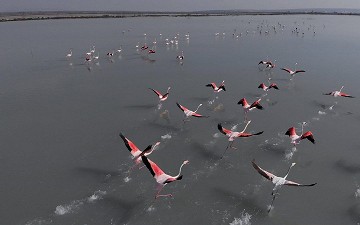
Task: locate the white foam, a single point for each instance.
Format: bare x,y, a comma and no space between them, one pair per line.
151,209
127,179
321,113
357,193
166,136
216,135
243,220
39,221
69,208
96,196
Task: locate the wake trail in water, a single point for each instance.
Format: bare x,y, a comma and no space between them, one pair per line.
244,219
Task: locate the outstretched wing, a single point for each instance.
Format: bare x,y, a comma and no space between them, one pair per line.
153,168
342,94
300,71
249,135
263,172
198,115
287,70
182,107
291,183
308,135
223,130
157,93
130,145
213,85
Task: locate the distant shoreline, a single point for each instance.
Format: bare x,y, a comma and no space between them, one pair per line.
24,16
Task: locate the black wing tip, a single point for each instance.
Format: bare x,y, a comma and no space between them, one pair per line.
259,133
312,184
179,177
208,85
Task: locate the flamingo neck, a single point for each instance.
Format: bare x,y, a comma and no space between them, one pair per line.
341,88
288,171
246,126
179,171
198,108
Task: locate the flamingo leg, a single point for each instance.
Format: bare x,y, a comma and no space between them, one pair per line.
160,187
272,202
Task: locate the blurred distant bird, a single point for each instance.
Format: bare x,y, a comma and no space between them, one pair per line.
339,93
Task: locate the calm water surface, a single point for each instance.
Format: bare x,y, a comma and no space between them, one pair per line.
62,161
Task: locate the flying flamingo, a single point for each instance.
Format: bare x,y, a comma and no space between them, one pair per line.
339,93
151,51
161,178
180,57
135,151
110,53
144,47
247,107
161,97
234,134
293,72
295,139
216,88
189,113
278,181
268,64
271,85
119,50
69,54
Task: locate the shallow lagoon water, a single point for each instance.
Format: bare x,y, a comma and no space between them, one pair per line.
62,161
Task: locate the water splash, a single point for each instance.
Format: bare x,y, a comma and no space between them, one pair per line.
217,135
289,154
96,196
76,204
127,179
151,209
243,220
39,221
166,136
357,193
68,208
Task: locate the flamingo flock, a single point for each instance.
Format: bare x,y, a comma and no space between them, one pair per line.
142,157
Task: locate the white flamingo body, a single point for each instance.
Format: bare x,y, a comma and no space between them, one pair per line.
69,54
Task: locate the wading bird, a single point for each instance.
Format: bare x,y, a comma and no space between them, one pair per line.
161,178
180,57
216,88
189,113
135,151
295,139
339,93
247,107
278,181
233,134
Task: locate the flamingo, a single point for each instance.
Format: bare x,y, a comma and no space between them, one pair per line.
293,72
268,64
339,93
144,47
119,50
135,151
216,88
180,57
278,181
247,107
295,139
189,113
69,54
271,85
234,134
161,97
151,51
110,53
162,178
97,56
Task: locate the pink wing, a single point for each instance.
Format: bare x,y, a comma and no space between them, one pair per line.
345,95
182,107
291,183
213,85
130,145
308,135
223,130
153,168
287,70
156,92
198,115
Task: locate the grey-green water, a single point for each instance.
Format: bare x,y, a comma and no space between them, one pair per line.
62,161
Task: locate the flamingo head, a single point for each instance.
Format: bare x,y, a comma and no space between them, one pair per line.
293,164
186,162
